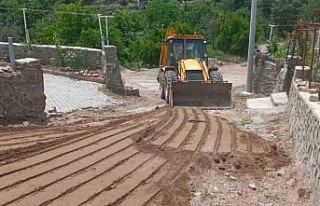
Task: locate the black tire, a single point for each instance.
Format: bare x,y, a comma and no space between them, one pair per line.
171,76
216,76
162,92
161,81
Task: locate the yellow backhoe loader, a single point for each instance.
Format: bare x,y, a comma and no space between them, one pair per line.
184,76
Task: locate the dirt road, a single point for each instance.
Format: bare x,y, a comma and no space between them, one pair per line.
128,160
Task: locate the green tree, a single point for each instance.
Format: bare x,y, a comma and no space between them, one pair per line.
146,50
160,13
286,13
234,33
265,7
308,12
72,29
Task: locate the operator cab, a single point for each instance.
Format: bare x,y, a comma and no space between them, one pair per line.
186,49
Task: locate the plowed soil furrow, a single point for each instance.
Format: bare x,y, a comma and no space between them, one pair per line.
145,192
242,145
226,138
134,160
79,177
30,152
257,148
219,135
64,160
212,137
70,148
20,135
171,130
100,183
31,185
164,125
199,133
41,138
183,132
249,143
119,191
206,132
234,137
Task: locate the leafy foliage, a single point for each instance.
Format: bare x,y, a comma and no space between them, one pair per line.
234,33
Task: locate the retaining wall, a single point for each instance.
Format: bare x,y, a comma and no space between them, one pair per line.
79,57
268,75
22,91
305,127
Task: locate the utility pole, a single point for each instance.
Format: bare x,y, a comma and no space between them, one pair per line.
271,31
11,53
251,44
107,29
101,35
25,25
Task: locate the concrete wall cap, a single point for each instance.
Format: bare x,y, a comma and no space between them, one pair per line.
26,60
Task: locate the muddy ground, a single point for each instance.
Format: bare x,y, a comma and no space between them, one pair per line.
144,153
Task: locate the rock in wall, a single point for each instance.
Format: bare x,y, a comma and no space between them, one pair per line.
22,91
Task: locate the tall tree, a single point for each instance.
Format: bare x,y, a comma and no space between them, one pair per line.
286,13
160,13
234,32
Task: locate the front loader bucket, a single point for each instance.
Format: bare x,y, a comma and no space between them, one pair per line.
200,94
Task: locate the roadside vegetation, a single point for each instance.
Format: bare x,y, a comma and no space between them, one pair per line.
138,31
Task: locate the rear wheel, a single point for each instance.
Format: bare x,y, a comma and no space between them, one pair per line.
162,92
216,76
171,76
161,80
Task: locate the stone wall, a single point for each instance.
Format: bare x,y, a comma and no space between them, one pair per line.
267,75
22,91
113,75
48,55
305,127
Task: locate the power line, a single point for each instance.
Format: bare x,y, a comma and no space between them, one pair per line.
53,11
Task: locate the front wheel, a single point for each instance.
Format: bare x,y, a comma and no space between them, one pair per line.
171,76
162,89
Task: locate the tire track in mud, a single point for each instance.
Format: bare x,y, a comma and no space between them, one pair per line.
120,163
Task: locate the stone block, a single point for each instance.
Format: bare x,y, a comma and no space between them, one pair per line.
279,98
260,103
